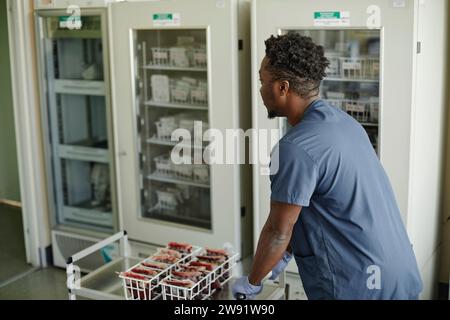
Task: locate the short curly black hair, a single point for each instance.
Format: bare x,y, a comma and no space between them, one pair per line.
297,59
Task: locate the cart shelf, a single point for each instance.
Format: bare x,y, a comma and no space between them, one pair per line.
104,284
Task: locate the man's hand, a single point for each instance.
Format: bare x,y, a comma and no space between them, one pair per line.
242,287
281,265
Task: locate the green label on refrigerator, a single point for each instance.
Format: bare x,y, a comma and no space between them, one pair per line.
166,19
332,19
70,22
327,15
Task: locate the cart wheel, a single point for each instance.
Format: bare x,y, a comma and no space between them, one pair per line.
286,291
241,296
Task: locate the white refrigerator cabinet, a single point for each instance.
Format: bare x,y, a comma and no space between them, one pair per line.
387,70
176,62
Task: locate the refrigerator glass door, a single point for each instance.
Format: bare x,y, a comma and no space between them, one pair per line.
77,119
352,83
177,68
173,95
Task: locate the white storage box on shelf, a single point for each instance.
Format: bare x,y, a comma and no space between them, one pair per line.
160,56
183,171
199,94
165,127
333,69
164,132
360,68
200,59
163,165
357,109
364,110
179,57
180,92
335,98
160,88
169,199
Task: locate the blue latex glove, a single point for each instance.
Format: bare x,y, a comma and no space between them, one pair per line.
245,289
281,265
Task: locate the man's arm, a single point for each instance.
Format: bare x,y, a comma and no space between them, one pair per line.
274,239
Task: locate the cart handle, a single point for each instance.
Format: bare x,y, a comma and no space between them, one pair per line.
281,284
70,269
98,246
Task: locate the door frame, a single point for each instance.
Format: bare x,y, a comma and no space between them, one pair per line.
28,131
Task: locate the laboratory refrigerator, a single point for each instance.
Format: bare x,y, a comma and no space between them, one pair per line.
381,57
182,64
73,64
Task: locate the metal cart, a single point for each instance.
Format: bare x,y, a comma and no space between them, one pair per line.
104,284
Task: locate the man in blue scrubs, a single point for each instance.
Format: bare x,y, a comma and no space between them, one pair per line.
332,206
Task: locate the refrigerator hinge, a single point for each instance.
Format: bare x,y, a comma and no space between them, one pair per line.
243,212
143,196
241,44
142,160
139,124
419,47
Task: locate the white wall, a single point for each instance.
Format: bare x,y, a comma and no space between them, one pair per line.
427,141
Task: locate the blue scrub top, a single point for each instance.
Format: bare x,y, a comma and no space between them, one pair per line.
349,241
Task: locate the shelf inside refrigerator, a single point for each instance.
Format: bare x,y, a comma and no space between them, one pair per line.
177,217
165,142
158,104
80,87
177,180
173,68
88,214
368,124
83,153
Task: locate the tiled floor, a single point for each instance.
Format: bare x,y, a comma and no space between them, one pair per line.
12,244
43,284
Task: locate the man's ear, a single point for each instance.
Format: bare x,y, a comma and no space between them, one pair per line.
284,87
